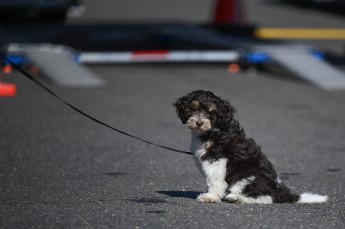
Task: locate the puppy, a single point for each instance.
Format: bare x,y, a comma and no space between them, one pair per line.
235,168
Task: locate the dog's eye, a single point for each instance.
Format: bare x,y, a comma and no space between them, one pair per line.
189,111
211,107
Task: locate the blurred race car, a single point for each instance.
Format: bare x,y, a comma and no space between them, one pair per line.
42,9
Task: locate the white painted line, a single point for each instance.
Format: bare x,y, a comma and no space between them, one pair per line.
304,65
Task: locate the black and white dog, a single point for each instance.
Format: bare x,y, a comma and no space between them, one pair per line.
235,168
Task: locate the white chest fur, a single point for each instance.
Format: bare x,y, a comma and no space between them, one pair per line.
214,171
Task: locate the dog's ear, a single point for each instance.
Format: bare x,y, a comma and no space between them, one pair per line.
181,108
225,114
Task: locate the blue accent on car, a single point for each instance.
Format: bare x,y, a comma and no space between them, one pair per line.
261,58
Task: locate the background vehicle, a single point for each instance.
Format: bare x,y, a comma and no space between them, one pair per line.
51,10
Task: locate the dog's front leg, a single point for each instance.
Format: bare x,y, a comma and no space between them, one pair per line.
215,172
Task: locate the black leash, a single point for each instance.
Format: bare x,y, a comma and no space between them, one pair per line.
30,77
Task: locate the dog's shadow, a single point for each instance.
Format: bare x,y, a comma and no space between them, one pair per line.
180,194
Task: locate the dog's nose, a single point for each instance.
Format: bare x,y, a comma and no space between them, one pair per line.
199,123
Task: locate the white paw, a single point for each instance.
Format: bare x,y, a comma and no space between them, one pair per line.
232,198
208,198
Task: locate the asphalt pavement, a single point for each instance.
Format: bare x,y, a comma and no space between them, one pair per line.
58,169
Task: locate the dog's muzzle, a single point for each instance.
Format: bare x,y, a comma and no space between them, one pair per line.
199,123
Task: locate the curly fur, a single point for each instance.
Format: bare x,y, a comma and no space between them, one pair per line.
247,168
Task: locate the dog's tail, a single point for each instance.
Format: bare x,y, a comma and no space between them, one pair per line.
312,198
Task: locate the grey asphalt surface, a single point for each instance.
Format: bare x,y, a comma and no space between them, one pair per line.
59,169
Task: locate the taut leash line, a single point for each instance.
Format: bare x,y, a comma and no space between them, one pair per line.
41,85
